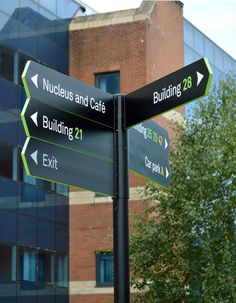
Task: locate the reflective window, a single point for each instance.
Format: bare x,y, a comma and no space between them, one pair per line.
199,42
46,205
28,198
104,269
6,160
8,194
109,82
27,259
7,64
46,235
188,34
66,8
49,5
62,271
62,209
7,226
62,237
26,292
22,62
46,267
26,230
7,263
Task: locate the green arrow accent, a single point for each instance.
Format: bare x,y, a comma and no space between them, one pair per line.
24,158
24,79
210,76
23,117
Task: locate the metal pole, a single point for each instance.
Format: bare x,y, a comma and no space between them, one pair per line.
120,207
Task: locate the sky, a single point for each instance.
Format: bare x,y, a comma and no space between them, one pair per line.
215,18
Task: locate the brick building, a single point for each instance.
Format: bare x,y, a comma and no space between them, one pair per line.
119,52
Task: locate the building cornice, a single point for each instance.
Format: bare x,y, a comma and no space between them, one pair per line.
107,19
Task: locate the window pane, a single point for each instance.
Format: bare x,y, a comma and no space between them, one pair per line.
27,264
105,271
27,230
62,271
7,263
27,203
108,82
6,159
7,64
45,267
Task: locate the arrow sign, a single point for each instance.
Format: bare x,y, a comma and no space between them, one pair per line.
63,92
57,164
67,130
184,85
148,152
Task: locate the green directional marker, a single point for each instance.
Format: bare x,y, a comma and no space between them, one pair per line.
182,86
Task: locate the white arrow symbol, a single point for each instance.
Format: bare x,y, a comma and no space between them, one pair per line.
167,173
34,117
35,80
166,144
34,156
199,78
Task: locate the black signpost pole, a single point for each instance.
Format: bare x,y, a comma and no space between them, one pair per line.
120,207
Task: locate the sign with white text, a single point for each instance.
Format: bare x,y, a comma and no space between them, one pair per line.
54,163
67,130
180,87
148,152
68,94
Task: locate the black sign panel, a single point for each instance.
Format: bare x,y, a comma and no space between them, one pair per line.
148,152
63,92
185,85
53,125
53,163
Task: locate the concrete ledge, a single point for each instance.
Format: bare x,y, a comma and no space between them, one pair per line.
126,16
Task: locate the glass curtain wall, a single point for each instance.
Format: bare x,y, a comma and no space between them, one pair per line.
198,45
33,213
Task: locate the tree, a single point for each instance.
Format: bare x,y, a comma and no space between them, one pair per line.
183,249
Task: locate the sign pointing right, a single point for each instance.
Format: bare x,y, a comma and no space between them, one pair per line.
182,86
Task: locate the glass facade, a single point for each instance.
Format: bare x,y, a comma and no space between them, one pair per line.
33,213
198,45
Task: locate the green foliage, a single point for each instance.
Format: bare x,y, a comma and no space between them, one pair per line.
183,249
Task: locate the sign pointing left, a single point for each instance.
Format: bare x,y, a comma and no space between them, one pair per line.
34,156
35,80
54,163
34,117
68,94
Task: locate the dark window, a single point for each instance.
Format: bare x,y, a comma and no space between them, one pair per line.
109,82
6,160
7,64
7,263
104,269
23,59
62,271
45,267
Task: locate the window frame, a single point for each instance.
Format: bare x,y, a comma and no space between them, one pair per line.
105,76
99,257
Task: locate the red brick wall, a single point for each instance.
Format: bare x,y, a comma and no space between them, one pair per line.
142,51
110,48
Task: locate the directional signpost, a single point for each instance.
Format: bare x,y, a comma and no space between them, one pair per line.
149,151
77,135
184,85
